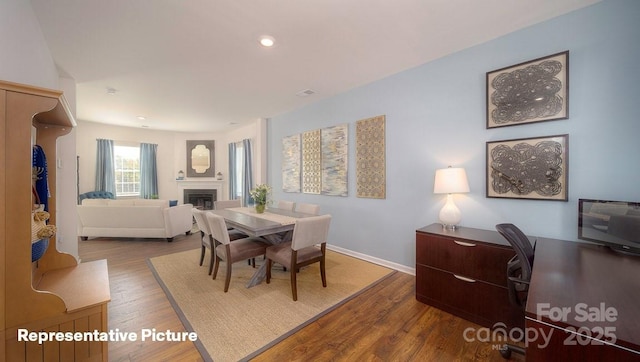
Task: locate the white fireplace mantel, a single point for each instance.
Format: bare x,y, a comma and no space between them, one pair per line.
188,184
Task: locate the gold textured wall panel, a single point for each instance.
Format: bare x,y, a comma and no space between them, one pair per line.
371,179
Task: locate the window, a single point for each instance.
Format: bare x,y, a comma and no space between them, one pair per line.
127,170
239,169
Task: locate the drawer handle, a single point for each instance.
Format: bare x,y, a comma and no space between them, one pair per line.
462,243
464,279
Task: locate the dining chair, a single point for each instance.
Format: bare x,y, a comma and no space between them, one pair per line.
308,208
231,252
289,206
286,205
233,233
226,204
205,236
302,250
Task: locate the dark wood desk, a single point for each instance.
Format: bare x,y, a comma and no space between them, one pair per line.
585,280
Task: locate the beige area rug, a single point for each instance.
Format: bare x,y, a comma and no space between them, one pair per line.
242,323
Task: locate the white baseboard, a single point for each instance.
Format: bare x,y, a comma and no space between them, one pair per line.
371,259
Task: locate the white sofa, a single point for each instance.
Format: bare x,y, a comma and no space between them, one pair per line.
133,218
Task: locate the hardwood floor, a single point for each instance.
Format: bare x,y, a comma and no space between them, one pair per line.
385,323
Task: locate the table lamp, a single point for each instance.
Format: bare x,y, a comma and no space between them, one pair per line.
450,181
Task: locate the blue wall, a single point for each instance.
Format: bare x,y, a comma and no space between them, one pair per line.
435,117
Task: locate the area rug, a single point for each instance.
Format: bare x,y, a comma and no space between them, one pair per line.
243,322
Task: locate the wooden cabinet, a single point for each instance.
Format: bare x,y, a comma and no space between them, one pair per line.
463,272
54,294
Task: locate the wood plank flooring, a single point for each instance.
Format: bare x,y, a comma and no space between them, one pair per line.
385,323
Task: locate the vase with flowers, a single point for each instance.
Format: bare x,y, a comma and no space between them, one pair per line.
260,196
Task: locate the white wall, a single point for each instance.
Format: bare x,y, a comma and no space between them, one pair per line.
67,234
172,151
435,117
88,132
257,133
25,58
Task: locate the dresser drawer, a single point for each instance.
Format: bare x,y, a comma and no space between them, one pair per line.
474,300
468,258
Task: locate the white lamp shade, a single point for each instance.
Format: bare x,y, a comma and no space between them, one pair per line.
451,181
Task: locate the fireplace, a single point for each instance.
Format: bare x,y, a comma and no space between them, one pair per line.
211,190
200,198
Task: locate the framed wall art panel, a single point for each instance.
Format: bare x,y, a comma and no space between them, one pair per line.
291,163
529,168
335,141
371,161
533,91
311,162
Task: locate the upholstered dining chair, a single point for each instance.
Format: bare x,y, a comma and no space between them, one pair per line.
227,204
205,235
302,249
286,205
308,208
233,233
231,252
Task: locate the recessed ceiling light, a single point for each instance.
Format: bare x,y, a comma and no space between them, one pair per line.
142,118
267,41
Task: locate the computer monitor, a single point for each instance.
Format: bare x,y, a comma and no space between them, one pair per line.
615,224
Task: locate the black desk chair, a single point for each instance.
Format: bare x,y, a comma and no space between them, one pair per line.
518,273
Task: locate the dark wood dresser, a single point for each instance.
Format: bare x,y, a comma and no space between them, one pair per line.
463,272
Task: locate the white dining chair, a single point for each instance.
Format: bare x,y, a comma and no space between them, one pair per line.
308,208
286,205
226,204
205,236
302,250
231,252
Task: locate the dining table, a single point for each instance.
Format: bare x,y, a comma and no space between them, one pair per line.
273,225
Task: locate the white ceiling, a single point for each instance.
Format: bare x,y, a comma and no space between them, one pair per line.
196,66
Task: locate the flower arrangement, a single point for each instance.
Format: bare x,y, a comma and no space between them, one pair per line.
260,196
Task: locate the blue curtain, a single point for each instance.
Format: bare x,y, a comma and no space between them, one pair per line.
247,177
148,171
233,177
105,167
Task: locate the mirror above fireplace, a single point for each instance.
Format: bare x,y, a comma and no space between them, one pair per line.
200,159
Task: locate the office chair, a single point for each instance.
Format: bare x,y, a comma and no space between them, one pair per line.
518,274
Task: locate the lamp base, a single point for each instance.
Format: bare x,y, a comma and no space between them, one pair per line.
450,215
450,227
